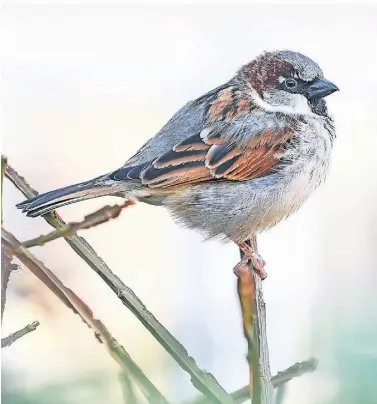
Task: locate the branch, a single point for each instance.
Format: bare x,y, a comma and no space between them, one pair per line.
127,389
12,247
202,380
94,219
8,341
6,255
4,162
296,370
249,288
280,394
6,269
86,314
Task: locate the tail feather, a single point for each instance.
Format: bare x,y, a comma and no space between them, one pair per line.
42,210
41,204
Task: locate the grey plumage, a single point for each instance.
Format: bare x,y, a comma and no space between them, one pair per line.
233,162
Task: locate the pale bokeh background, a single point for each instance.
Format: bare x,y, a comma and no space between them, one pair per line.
83,88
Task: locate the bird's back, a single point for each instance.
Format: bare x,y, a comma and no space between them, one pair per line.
187,121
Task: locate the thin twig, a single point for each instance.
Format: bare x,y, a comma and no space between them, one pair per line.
10,244
280,394
202,380
296,370
86,314
6,256
127,389
249,288
4,162
6,268
246,293
94,219
8,341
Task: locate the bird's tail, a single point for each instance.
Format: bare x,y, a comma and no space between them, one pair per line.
41,204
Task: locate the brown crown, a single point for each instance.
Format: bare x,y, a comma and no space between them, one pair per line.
263,72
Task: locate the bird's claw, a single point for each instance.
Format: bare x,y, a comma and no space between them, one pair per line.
249,255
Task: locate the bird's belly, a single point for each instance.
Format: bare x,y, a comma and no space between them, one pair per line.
234,211
276,202
272,201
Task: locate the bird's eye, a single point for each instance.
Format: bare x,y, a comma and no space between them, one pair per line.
290,84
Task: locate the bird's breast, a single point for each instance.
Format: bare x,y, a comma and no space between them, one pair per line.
236,209
307,167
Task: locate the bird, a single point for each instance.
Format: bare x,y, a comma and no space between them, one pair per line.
233,162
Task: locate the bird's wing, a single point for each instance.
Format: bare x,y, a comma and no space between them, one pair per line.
188,120
238,150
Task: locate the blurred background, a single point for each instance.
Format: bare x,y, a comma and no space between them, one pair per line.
83,88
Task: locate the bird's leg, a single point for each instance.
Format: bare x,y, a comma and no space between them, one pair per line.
250,254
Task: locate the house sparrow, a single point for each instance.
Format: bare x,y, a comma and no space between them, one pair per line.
233,162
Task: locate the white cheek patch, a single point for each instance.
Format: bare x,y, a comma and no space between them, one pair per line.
298,104
281,79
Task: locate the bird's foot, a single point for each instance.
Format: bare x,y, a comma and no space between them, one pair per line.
250,255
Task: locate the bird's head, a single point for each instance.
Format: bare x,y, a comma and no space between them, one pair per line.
286,81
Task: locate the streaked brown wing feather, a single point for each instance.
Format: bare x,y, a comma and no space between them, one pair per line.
220,154
256,164
215,153
175,175
196,162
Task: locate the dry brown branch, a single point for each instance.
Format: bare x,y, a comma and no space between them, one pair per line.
202,380
6,268
8,341
86,314
6,255
296,370
4,163
94,219
249,286
10,244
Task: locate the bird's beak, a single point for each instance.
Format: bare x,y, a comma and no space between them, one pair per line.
321,88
